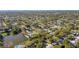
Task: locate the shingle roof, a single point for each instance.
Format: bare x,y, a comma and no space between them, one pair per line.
11,39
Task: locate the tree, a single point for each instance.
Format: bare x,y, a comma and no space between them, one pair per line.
1,38
16,31
70,37
77,44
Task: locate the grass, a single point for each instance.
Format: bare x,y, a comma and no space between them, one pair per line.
4,34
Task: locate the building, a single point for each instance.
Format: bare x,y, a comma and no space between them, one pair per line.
1,24
14,40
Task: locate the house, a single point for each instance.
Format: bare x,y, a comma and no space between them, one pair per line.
19,46
1,24
77,39
49,46
73,42
13,40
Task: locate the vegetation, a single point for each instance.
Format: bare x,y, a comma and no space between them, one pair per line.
40,29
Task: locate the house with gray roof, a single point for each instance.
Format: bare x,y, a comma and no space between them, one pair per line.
13,40
1,24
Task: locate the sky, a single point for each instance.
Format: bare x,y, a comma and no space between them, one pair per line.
39,5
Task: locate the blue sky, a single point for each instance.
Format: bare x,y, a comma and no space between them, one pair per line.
39,5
